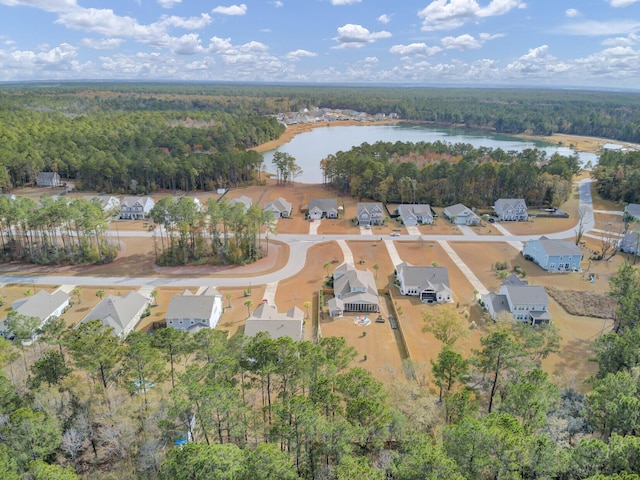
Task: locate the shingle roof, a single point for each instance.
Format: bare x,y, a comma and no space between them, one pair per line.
187,305
457,209
266,318
436,278
351,278
419,210
118,311
527,294
559,247
324,204
42,304
280,204
128,202
504,203
633,209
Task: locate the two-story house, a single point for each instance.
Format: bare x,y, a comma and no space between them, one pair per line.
279,207
267,319
370,213
511,209
354,291
430,284
413,214
323,208
136,208
524,302
458,214
192,312
553,255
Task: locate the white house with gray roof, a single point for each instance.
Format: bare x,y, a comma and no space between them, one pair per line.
370,213
413,214
108,203
122,313
323,208
430,284
48,179
192,312
458,214
43,305
354,291
553,255
524,302
243,200
267,319
511,209
279,207
136,208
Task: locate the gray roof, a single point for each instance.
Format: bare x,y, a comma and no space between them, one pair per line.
280,204
187,305
513,279
504,203
42,304
457,209
369,207
559,247
324,204
104,200
499,302
244,200
47,177
347,278
129,202
436,278
266,318
633,209
527,294
419,210
630,242
117,312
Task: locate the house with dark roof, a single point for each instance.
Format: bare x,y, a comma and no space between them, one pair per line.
458,214
122,313
43,305
413,214
511,209
553,255
354,291
266,318
191,312
430,284
279,207
323,208
370,213
136,208
633,211
48,179
516,298
630,243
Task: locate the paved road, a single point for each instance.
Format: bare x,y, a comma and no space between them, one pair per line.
298,248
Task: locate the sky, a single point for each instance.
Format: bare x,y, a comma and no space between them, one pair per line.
550,43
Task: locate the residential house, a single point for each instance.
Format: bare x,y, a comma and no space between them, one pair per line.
524,302
461,215
370,213
108,203
323,208
632,211
511,209
192,312
48,179
354,291
279,207
413,214
430,284
136,208
186,202
43,305
243,200
267,319
553,255
630,243
122,313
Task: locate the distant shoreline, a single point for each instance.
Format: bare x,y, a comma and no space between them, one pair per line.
579,143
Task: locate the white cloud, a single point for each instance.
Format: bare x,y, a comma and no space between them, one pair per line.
277,4
571,12
188,44
344,2
47,5
628,41
371,60
621,3
102,43
356,36
231,10
168,3
191,23
450,14
466,41
420,49
595,28
298,54
384,18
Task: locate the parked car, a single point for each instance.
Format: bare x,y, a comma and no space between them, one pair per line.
395,234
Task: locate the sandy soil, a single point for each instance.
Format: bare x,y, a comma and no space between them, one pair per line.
579,143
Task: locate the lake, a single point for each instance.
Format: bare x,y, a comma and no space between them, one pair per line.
310,148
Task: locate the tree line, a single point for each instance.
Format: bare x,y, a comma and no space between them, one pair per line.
83,403
618,176
441,174
218,232
54,231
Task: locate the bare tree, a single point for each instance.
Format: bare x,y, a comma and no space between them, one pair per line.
610,242
582,220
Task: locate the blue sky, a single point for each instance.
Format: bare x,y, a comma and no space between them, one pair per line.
583,43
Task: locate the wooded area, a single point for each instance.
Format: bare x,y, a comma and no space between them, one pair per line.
618,175
81,403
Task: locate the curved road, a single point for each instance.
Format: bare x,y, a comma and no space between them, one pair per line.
298,247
